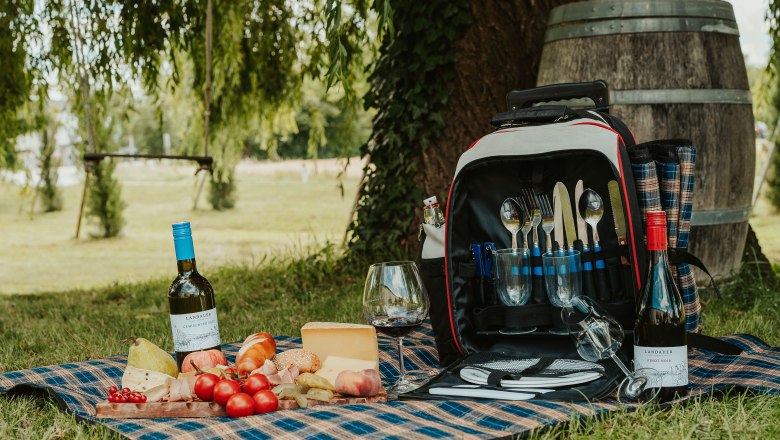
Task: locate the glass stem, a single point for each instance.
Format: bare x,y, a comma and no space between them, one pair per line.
620,364
401,373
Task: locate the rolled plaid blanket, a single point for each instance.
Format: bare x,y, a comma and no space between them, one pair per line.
668,168
645,181
663,176
685,278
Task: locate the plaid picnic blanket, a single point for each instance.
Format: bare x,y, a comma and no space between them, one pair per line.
79,386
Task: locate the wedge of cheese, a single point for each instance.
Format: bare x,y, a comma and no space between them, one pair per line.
341,346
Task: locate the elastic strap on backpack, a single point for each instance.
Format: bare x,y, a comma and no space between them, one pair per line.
681,256
704,342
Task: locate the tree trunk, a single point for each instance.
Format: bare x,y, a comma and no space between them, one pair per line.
753,255
436,85
499,51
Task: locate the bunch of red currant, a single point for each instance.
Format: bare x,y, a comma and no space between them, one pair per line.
125,395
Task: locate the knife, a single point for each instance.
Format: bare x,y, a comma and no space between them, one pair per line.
618,216
568,217
582,245
558,219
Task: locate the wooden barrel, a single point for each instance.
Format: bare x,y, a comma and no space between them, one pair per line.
675,70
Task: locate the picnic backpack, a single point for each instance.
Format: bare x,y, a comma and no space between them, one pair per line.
532,148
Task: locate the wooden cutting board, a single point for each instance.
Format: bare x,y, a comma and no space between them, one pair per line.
198,408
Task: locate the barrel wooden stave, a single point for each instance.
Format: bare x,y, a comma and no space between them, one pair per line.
725,156
621,60
722,132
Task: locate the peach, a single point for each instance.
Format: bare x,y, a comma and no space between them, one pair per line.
364,383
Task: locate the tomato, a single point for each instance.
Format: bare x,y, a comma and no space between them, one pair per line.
240,405
224,389
265,401
256,382
204,386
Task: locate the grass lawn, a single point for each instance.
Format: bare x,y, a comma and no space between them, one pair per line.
275,215
44,329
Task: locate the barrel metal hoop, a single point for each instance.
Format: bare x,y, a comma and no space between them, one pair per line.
652,8
720,216
639,25
680,96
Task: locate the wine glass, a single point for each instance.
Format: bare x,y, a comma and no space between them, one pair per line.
513,281
563,278
395,303
598,336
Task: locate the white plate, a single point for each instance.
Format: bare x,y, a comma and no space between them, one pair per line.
479,377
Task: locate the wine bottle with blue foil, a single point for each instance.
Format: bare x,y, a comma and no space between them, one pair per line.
191,300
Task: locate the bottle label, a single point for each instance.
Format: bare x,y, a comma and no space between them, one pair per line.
671,362
195,331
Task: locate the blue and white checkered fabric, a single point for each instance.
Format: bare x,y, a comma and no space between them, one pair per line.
79,386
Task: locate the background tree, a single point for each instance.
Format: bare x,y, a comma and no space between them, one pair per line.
19,73
50,195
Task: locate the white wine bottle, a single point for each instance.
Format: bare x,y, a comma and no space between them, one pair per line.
660,338
191,300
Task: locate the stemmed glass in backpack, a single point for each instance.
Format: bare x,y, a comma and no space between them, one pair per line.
598,336
563,279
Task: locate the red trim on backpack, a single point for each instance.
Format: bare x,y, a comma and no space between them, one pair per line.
599,124
446,266
628,216
625,195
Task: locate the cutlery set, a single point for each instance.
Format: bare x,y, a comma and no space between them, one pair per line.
564,228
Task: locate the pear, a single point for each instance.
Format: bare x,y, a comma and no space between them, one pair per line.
145,355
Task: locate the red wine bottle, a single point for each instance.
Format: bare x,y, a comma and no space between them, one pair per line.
660,338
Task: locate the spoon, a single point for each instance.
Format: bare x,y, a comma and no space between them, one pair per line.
510,217
592,209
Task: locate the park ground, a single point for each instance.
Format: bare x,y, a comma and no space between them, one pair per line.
284,209
256,257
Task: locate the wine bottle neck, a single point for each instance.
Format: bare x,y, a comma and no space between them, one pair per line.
186,266
656,238
182,242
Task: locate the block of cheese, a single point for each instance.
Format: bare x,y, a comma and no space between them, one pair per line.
334,365
348,342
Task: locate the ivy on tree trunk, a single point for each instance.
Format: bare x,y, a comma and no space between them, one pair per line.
440,78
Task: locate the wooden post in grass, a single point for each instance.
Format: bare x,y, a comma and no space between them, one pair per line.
87,109
207,104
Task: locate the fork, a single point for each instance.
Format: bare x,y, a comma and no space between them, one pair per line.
526,228
548,219
536,219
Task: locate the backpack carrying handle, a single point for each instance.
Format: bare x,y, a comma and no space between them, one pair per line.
595,90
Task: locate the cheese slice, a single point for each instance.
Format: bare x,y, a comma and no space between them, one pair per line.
334,365
346,341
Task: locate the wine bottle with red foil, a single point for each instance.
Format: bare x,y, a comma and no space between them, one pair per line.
191,300
660,338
